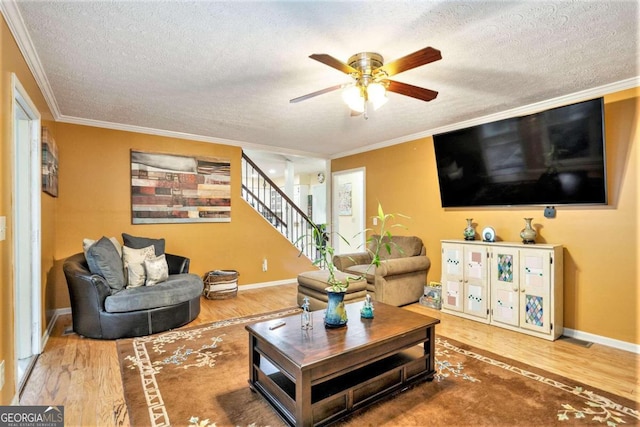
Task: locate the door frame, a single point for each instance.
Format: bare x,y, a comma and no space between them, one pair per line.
21,99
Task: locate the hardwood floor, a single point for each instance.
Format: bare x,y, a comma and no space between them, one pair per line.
84,375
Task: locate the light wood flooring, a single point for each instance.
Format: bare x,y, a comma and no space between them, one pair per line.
83,374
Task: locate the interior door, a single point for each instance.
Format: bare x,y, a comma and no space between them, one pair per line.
22,227
348,190
26,231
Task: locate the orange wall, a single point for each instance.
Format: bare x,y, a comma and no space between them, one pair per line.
11,61
94,201
601,256
602,264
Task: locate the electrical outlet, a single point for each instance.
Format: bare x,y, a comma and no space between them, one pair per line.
1,375
264,264
375,220
3,227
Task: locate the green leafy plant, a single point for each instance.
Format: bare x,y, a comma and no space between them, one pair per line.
376,241
377,237
325,254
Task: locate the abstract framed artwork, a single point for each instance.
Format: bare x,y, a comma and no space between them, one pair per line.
49,164
169,188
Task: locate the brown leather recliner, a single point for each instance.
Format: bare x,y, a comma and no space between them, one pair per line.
402,274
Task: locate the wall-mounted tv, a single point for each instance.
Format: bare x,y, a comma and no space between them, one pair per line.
554,157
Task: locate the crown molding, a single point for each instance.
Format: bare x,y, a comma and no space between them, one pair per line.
186,135
14,20
515,112
12,16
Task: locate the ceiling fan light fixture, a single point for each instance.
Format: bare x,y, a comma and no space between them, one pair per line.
376,93
371,76
352,96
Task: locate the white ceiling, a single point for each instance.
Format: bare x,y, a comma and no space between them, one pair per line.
224,71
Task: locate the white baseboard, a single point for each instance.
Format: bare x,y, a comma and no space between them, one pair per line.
572,333
266,284
598,339
43,342
56,315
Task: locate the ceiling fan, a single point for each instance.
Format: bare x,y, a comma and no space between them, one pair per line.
371,77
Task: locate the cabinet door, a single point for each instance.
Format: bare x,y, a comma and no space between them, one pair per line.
535,290
452,274
505,295
475,281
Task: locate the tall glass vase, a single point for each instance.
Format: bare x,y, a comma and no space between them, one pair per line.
336,314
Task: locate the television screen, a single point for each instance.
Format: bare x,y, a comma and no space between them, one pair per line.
550,158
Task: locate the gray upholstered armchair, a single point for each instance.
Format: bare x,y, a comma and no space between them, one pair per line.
402,274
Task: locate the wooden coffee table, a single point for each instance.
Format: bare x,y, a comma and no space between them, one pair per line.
319,376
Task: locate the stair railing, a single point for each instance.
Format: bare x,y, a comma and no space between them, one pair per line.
277,208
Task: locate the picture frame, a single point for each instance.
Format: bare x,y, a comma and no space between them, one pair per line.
171,188
49,163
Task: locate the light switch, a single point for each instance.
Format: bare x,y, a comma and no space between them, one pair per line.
3,227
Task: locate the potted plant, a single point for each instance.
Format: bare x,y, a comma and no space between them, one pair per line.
324,258
336,315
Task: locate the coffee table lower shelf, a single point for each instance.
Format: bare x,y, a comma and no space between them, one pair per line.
343,394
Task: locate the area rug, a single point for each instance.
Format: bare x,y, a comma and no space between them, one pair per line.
198,377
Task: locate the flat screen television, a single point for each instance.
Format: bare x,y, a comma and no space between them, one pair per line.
554,157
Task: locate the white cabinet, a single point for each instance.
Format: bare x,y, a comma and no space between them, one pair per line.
464,281
524,288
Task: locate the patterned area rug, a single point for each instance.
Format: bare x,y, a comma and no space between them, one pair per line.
198,377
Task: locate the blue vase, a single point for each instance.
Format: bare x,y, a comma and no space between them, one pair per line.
336,314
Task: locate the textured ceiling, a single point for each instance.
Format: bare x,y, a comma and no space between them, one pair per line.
225,71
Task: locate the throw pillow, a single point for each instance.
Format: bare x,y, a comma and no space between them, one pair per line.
143,242
133,260
103,259
86,244
157,270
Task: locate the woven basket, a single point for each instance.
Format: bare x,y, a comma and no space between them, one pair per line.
220,284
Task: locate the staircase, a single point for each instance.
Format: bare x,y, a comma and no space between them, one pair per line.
278,209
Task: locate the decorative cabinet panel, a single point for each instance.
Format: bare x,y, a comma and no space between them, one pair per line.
524,288
505,295
464,280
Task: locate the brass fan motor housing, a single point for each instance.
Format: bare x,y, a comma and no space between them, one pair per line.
366,62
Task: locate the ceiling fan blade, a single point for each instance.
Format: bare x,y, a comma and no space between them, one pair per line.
316,93
333,62
413,60
412,91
